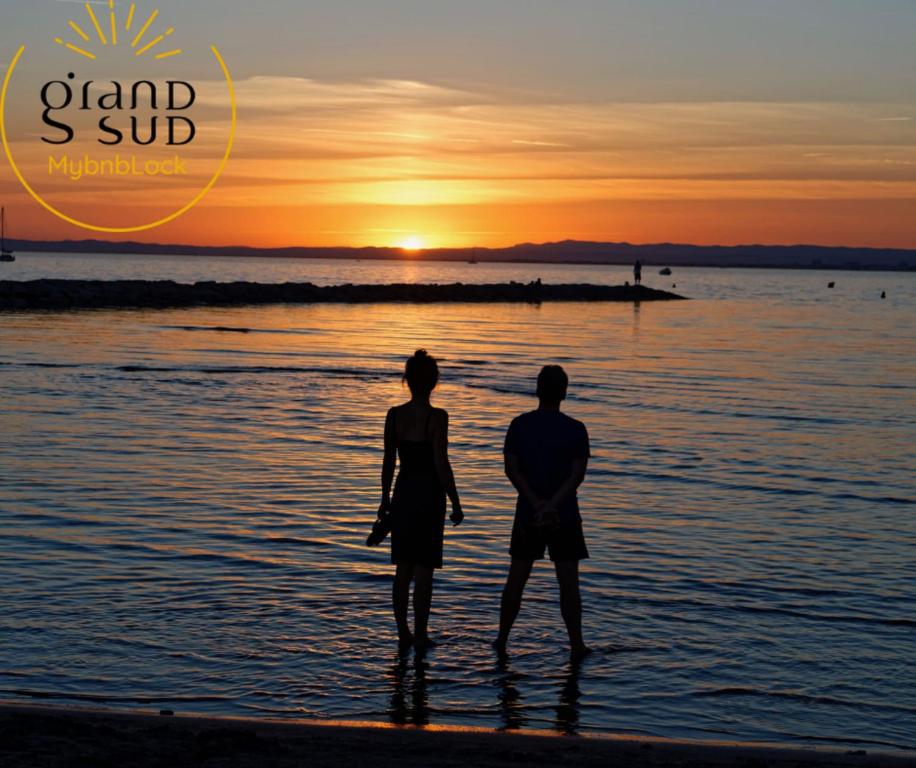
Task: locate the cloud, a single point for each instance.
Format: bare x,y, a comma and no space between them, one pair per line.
527,143
401,142
282,94
390,142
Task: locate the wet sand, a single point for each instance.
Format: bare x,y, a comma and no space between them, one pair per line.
32,736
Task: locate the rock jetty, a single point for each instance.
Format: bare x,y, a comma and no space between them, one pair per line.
142,294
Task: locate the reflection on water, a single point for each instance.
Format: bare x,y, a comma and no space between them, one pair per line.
570,695
183,511
410,700
567,704
512,708
511,704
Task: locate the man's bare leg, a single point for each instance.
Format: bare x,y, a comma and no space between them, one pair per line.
571,605
519,572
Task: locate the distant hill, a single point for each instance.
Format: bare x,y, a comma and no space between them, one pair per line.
566,252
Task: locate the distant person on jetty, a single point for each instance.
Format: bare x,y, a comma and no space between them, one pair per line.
546,457
637,272
416,433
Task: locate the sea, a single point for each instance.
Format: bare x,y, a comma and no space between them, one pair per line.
185,496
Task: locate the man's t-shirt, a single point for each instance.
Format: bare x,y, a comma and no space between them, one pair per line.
546,444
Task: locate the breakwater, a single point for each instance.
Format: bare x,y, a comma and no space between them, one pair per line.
141,294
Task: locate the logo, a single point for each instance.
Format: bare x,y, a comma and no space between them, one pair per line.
131,129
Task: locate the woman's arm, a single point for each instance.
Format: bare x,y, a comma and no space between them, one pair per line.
389,462
444,466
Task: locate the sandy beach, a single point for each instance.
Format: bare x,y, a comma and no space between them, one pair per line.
56,737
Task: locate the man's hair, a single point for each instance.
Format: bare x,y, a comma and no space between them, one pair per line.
552,384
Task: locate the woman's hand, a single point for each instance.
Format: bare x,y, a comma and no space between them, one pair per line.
457,516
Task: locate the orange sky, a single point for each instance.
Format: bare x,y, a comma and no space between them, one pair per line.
371,161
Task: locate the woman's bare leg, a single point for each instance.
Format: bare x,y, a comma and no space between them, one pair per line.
422,604
400,598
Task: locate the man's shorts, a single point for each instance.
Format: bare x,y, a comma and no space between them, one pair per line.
566,543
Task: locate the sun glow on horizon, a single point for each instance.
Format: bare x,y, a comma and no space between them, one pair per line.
413,244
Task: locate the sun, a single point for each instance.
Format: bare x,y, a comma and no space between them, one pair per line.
412,243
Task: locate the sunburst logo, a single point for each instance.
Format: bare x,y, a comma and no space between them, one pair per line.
123,136
111,36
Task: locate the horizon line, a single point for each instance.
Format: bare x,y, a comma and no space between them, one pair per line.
465,248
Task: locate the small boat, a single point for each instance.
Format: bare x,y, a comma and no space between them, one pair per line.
666,271
5,255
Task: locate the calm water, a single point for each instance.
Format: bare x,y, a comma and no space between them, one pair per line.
183,510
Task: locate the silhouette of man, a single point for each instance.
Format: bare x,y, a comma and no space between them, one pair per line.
637,272
546,457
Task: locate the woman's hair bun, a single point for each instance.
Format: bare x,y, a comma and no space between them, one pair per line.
421,373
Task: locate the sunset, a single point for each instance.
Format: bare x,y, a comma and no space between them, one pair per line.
650,122
430,384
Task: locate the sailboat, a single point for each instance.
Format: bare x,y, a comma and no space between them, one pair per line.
5,255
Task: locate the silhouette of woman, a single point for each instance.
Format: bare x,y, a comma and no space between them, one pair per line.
416,433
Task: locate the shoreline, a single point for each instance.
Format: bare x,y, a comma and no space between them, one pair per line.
63,736
166,294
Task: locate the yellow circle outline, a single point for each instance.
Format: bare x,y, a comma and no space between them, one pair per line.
119,230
